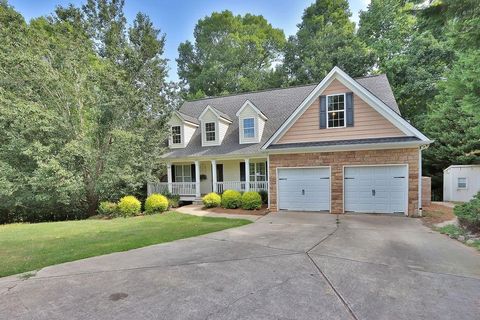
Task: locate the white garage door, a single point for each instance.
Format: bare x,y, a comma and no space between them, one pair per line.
376,189
304,189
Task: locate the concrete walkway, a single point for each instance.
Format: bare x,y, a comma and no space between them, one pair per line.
283,266
197,210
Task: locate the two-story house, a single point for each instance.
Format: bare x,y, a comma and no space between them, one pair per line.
337,146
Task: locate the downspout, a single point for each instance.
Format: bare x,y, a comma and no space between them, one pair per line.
420,210
268,179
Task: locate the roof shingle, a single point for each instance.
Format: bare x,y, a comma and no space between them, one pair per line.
276,104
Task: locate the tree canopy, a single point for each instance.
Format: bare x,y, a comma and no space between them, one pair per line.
82,109
325,38
231,53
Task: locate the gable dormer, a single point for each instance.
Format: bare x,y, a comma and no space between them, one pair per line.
182,128
214,125
251,122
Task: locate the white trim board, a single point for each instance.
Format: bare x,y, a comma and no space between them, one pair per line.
247,104
364,94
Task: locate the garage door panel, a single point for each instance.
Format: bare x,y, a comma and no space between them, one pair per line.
304,189
376,189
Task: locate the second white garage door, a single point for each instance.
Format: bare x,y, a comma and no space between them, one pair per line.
376,189
304,189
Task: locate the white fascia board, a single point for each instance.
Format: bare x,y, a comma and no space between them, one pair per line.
356,147
214,112
218,158
249,103
372,100
185,121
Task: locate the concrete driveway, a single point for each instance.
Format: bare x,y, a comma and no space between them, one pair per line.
284,266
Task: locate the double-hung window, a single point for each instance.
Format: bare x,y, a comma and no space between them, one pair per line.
336,111
258,172
210,131
176,135
249,128
183,173
462,183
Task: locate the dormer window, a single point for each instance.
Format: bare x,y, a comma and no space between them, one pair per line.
336,111
251,122
249,128
210,131
176,135
182,128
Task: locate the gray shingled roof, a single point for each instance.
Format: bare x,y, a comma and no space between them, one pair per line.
276,104
188,118
380,87
221,114
343,142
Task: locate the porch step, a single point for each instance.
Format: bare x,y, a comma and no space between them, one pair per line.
197,201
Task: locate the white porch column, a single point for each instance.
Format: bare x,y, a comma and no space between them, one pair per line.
214,175
197,179
169,177
247,174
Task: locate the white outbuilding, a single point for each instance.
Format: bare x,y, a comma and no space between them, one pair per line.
461,182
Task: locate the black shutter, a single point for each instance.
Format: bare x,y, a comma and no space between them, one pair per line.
173,173
349,108
193,173
219,172
242,171
323,112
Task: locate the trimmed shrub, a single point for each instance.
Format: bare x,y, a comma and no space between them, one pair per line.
107,208
174,201
264,195
469,214
211,200
156,203
231,199
251,200
129,206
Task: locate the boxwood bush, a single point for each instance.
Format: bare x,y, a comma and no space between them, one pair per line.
469,214
211,200
264,195
129,206
156,203
231,199
107,208
251,200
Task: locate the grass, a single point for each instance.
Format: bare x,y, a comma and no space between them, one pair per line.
27,247
455,231
452,230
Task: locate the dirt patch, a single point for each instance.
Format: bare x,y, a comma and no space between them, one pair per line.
437,213
260,212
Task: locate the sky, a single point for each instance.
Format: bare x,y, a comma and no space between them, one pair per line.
177,18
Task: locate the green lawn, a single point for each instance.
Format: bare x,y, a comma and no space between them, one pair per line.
27,247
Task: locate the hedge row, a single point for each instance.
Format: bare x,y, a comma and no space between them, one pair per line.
232,199
130,206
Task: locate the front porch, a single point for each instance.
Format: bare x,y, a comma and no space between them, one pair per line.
192,180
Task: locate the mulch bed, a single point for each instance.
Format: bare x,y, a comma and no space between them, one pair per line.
436,213
260,212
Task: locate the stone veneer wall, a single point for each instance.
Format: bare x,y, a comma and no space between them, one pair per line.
426,191
337,160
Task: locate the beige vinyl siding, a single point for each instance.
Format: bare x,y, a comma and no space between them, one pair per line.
368,123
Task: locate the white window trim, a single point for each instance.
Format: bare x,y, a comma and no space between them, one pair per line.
344,110
466,183
254,128
181,135
254,166
183,176
215,131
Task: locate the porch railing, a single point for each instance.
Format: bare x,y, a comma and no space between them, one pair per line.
241,186
189,188
180,188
